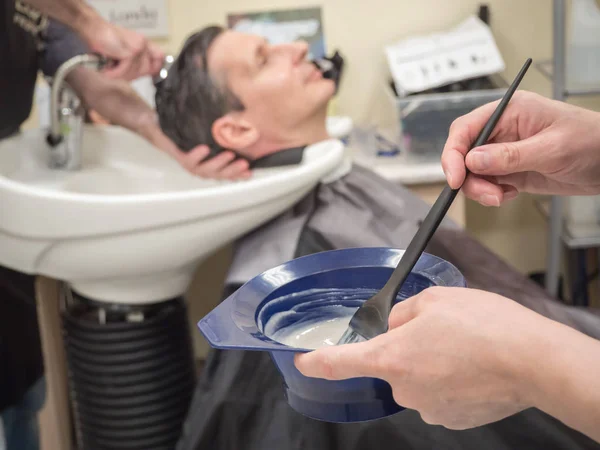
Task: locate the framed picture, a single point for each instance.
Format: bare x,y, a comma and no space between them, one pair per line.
148,17
283,26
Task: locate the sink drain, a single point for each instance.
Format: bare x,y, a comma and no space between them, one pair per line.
131,372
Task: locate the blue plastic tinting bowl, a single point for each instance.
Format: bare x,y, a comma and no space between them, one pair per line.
237,323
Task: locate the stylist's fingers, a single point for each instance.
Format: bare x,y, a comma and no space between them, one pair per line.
157,58
511,157
453,164
404,312
145,65
212,167
341,362
488,191
237,170
193,157
125,69
119,69
462,134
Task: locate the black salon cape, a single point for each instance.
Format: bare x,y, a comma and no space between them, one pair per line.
239,402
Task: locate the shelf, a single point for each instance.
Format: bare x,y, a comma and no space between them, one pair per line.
573,236
404,169
546,68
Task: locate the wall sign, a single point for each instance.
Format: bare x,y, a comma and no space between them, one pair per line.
148,17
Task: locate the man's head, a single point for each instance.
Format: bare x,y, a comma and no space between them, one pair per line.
236,91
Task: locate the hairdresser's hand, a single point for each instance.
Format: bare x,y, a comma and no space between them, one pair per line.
133,54
461,357
538,146
221,167
197,161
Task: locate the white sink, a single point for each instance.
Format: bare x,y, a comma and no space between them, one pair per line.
131,225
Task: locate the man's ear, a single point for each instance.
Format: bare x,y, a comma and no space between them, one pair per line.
234,132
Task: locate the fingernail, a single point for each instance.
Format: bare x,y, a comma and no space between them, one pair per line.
489,200
479,160
448,177
510,195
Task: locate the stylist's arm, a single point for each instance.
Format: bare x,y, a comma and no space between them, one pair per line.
134,54
464,358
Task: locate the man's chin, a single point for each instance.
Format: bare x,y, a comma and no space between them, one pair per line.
328,92
330,86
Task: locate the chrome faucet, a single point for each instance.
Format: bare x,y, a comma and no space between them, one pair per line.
66,115
67,112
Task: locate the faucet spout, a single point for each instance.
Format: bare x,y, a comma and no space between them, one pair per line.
66,115
66,111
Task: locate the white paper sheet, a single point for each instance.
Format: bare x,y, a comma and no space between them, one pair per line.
424,62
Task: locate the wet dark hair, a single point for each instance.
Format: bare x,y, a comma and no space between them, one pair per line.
189,100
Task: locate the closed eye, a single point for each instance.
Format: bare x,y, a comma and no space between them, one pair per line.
261,56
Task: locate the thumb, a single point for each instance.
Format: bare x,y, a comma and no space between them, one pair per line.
508,157
340,362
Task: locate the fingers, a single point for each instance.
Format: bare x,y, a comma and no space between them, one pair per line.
223,166
130,68
196,155
403,312
134,54
237,170
453,164
510,193
144,67
463,133
214,165
198,162
340,362
508,157
491,191
120,70
157,58
364,359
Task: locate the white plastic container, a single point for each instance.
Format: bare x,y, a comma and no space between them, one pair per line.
583,47
424,120
582,215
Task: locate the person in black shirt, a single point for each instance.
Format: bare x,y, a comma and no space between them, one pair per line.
29,42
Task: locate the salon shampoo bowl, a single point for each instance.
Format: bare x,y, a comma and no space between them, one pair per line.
131,225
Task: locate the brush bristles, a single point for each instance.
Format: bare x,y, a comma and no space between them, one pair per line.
350,337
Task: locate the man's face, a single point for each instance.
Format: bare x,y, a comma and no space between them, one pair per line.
279,88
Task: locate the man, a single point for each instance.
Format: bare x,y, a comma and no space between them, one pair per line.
251,97
231,90
512,358
28,41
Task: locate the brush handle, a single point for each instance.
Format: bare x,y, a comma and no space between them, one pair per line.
444,201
